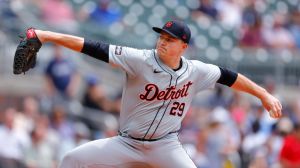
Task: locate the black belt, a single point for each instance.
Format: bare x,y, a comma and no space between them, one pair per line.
143,139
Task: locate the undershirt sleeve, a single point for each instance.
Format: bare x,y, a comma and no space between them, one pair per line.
227,77
98,50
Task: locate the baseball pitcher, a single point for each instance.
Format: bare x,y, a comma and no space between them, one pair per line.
159,88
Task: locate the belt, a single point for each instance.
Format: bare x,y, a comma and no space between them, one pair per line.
143,139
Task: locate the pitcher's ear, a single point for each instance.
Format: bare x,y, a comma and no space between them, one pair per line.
185,45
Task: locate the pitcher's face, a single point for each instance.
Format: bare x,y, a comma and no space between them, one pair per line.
168,46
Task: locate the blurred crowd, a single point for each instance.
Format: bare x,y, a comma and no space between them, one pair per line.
232,131
256,23
278,29
223,129
37,130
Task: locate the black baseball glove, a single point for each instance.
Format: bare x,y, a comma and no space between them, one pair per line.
25,56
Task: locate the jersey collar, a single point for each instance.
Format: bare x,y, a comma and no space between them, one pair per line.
166,68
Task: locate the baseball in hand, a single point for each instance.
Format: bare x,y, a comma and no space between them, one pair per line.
272,114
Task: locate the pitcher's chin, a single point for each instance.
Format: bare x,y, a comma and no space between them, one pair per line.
161,51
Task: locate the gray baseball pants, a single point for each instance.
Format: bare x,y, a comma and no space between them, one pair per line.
123,152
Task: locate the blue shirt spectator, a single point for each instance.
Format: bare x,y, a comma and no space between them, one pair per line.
62,75
295,27
208,8
60,71
104,14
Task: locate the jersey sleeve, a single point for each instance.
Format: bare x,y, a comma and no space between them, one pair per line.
129,59
207,74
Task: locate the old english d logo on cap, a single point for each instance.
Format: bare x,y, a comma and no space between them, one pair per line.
168,24
176,29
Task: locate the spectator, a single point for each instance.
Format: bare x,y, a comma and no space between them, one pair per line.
218,98
62,78
290,152
99,109
295,27
8,17
230,13
94,95
278,37
207,8
62,124
12,142
257,114
51,138
96,98
254,141
59,13
223,139
251,35
239,108
295,110
259,160
105,13
275,141
24,121
40,152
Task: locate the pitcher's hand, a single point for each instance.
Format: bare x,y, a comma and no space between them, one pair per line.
273,105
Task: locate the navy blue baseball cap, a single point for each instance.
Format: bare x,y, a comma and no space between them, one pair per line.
176,29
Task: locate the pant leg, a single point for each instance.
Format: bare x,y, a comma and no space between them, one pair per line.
169,153
104,153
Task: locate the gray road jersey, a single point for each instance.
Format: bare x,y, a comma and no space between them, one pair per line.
156,98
